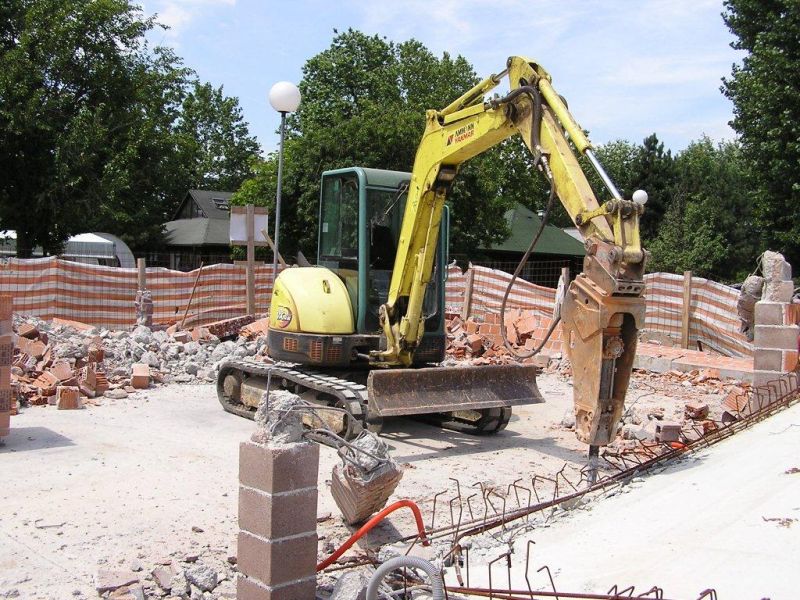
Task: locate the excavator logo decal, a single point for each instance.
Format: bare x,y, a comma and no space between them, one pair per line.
283,317
461,134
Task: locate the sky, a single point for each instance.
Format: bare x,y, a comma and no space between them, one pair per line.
628,68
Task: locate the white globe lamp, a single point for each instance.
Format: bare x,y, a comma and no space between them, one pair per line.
284,97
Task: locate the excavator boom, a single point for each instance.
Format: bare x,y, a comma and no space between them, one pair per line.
603,307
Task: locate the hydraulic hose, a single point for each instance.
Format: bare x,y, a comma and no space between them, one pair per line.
539,158
366,527
414,562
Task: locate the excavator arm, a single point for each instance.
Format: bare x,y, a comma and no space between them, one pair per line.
603,308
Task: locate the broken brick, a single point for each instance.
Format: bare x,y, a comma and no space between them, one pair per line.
68,397
475,342
696,410
28,331
140,378
62,371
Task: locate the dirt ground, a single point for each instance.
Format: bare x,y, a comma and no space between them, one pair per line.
153,479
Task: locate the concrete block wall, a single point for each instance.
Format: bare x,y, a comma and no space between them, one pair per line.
775,346
6,354
277,546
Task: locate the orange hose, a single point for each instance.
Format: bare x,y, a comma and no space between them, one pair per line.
374,521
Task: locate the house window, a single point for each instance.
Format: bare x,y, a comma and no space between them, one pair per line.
221,203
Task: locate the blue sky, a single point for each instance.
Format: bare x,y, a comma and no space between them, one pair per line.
627,68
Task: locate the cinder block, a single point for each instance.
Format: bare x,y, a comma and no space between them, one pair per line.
248,588
767,360
761,378
274,562
280,467
277,516
770,313
668,432
779,291
776,337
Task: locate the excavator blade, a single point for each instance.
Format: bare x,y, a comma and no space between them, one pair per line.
397,392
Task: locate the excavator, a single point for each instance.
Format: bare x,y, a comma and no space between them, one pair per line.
363,330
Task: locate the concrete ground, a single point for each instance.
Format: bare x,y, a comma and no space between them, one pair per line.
137,482
725,518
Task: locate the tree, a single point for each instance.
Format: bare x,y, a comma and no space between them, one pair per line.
99,131
364,102
215,148
687,240
710,229
765,91
85,116
653,171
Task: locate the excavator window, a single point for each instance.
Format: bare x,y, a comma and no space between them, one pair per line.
339,228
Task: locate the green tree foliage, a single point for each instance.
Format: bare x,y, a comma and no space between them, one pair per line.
653,171
215,147
765,90
90,130
708,226
364,102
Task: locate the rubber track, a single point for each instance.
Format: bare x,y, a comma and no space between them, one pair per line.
351,395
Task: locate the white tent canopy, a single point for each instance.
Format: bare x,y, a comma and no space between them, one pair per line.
84,247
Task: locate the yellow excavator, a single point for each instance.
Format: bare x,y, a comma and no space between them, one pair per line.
363,330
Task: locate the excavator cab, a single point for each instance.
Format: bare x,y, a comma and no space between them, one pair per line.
361,212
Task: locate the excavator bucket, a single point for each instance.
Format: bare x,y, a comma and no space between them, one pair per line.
397,392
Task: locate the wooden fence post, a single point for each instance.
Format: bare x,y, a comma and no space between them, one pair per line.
687,308
141,266
251,260
467,304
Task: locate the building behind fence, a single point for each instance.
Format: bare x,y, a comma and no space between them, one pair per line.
105,296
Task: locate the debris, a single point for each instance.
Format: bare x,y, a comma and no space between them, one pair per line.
68,397
362,484
107,580
696,410
140,376
203,577
667,431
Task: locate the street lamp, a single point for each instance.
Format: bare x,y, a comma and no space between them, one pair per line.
285,98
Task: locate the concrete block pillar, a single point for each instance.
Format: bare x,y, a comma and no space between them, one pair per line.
277,546
775,345
6,354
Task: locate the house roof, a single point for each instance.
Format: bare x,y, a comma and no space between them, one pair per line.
198,232
524,224
205,199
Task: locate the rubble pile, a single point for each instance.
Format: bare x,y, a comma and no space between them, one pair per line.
481,341
69,364
185,577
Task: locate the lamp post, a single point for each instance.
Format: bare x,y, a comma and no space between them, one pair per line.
285,98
